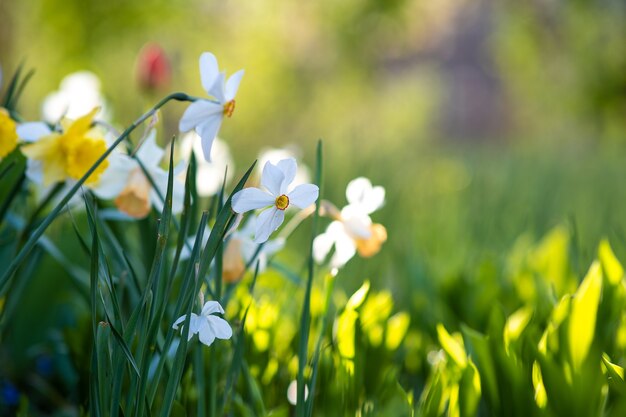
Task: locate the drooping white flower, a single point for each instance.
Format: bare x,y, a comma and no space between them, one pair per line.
207,325
126,182
276,197
206,116
78,91
209,175
352,230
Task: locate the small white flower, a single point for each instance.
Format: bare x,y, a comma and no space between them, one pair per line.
352,230
207,325
206,116
276,179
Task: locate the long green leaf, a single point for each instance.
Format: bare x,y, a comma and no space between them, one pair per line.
305,319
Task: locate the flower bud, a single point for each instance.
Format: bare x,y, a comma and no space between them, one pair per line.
153,68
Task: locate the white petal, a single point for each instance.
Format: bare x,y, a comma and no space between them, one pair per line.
197,113
292,392
160,178
178,321
32,131
322,244
205,332
233,227
304,195
209,70
220,327
289,167
345,249
360,192
219,88
193,325
232,85
268,221
34,171
272,178
211,307
251,199
178,196
149,153
115,177
357,223
208,131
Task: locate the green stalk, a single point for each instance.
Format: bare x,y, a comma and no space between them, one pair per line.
330,284
305,321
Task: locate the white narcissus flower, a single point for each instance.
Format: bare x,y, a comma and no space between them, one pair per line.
127,184
276,197
352,230
206,116
65,154
207,325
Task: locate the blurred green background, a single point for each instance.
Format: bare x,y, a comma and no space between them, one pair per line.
484,120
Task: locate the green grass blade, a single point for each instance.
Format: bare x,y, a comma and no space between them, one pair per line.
235,364
305,321
152,322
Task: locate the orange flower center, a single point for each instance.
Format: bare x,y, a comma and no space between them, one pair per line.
282,202
229,108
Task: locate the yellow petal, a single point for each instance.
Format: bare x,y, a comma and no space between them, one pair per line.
8,134
80,126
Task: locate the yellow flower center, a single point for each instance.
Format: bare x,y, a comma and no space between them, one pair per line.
8,134
229,108
282,202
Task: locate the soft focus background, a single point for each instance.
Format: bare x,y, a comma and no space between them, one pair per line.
481,118
484,120
488,122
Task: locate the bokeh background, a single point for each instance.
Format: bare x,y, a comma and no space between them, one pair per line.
486,121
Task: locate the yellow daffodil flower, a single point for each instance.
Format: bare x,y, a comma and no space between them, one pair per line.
58,156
